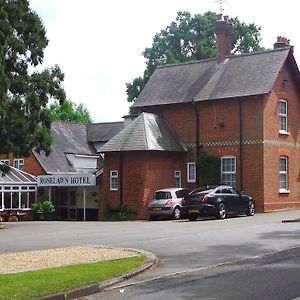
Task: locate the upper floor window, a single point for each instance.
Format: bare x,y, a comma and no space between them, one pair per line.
228,170
191,172
5,161
19,164
114,183
177,176
283,174
283,116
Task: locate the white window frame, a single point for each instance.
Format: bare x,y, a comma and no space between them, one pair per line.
19,164
283,126
5,161
191,173
283,174
232,173
177,177
114,180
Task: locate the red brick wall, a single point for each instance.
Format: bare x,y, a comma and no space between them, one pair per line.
277,145
31,165
143,173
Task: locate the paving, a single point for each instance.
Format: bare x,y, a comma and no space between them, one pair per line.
180,245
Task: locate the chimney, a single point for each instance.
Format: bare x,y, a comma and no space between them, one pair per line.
282,42
223,31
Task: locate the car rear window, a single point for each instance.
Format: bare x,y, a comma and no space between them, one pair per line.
162,195
182,193
196,197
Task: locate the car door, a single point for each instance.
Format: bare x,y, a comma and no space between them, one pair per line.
229,199
236,202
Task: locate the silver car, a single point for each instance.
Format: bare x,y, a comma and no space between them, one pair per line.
167,203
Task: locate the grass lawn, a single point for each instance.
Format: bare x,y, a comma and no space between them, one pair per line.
28,285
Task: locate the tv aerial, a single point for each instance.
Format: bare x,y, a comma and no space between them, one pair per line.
221,3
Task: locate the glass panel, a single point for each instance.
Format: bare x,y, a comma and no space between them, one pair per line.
7,203
15,200
282,181
282,165
24,197
282,107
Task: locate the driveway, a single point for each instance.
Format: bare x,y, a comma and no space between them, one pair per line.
180,245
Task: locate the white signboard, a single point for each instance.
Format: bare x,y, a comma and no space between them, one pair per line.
67,180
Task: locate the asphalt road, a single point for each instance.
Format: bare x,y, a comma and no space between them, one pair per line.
275,279
181,245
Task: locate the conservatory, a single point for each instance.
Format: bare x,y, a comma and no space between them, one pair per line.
18,190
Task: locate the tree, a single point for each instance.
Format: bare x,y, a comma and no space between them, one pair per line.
25,91
191,38
70,112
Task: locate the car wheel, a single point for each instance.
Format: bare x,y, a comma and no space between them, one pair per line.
222,212
250,209
176,213
192,217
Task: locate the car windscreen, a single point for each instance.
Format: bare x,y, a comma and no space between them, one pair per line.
162,195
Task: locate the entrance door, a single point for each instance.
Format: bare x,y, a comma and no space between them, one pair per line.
68,205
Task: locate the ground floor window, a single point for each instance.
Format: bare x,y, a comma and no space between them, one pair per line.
16,197
228,170
114,183
283,174
191,172
177,175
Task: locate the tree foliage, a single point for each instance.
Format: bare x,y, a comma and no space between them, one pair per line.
70,112
209,169
24,90
191,38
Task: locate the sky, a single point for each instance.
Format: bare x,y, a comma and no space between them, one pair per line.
98,44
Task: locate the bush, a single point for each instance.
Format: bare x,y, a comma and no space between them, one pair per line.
42,210
124,214
48,209
37,210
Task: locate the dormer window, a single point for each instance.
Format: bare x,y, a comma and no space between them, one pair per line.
283,117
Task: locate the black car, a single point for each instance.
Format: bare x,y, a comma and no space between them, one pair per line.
219,201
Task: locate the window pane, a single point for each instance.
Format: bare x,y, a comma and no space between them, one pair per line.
282,165
283,125
191,172
282,107
283,181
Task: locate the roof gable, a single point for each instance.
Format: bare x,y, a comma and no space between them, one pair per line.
147,132
237,76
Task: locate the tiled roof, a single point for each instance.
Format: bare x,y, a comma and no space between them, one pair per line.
103,132
146,132
67,138
238,75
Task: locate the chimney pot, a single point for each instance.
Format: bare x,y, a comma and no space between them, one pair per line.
281,42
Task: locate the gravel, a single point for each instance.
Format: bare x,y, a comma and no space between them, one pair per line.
33,260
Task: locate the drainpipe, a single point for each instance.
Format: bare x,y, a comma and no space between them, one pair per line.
121,179
241,145
197,137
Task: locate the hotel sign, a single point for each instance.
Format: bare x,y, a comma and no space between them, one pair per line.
67,180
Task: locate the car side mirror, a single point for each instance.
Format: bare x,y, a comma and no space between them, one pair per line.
241,193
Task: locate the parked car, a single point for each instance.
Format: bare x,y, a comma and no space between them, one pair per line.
219,201
167,203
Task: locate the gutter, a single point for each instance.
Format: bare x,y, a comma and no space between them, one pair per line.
241,145
197,137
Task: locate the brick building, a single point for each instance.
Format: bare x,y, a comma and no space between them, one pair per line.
70,176
242,108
